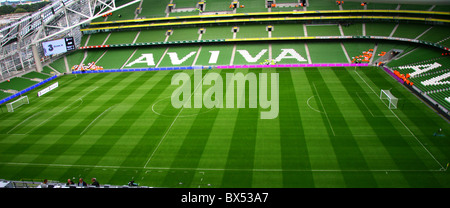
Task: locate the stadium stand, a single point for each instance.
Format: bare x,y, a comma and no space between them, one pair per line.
17,84
4,94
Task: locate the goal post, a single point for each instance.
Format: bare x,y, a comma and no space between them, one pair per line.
17,103
387,95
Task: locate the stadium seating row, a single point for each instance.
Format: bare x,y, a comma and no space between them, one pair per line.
167,8
425,35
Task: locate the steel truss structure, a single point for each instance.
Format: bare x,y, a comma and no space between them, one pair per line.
20,42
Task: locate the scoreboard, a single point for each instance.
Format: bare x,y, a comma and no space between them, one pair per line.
58,46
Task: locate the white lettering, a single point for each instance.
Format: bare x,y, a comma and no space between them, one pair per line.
419,69
214,56
293,55
250,58
176,61
437,80
146,58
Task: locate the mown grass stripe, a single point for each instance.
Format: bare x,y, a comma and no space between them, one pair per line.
35,101
347,152
106,142
30,142
77,110
242,147
51,152
294,152
193,146
320,150
103,144
62,144
267,147
149,139
20,147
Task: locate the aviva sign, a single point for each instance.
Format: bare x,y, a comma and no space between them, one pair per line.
150,60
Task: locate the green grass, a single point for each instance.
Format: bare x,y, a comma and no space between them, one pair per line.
332,131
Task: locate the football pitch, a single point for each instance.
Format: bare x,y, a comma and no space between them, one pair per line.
332,130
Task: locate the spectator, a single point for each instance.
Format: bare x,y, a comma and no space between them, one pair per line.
69,182
95,182
132,183
44,184
81,182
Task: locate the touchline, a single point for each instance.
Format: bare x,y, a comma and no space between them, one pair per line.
213,96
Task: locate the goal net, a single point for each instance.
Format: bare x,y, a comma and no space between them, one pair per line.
387,95
17,103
